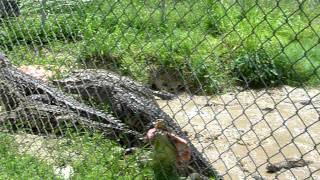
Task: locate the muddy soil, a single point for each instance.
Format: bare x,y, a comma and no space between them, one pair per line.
241,132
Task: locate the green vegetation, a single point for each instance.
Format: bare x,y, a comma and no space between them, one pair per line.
98,157
90,156
20,166
213,44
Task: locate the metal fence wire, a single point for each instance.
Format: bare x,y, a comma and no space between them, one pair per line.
155,89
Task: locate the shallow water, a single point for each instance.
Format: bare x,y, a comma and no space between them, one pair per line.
241,132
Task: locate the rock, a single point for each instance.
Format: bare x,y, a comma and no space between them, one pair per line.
37,71
287,164
64,172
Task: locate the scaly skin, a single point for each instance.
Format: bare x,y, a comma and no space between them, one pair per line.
29,85
18,87
44,118
128,99
84,76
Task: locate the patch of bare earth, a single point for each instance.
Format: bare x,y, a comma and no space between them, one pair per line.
37,71
241,132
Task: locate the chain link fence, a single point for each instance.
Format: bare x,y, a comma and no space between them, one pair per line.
100,89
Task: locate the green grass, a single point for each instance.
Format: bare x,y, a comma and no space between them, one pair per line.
20,166
213,45
90,156
101,158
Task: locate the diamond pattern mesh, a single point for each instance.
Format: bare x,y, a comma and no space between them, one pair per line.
83,81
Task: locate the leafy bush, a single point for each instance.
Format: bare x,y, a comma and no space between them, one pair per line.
32,30
256,69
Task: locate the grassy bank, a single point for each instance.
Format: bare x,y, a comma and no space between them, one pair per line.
90,156
20,166
209,45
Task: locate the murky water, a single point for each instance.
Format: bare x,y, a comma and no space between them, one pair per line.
241,132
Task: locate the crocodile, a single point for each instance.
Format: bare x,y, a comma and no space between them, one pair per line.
19,89
31,86
129,99
43,118
113,79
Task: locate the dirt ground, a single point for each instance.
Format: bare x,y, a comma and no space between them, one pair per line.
241,132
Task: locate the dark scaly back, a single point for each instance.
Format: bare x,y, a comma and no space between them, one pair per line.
11,97
26,85
16,87
29,85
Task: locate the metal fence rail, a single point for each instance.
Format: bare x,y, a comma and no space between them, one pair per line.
239,78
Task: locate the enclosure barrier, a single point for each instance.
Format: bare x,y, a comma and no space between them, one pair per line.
160,89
